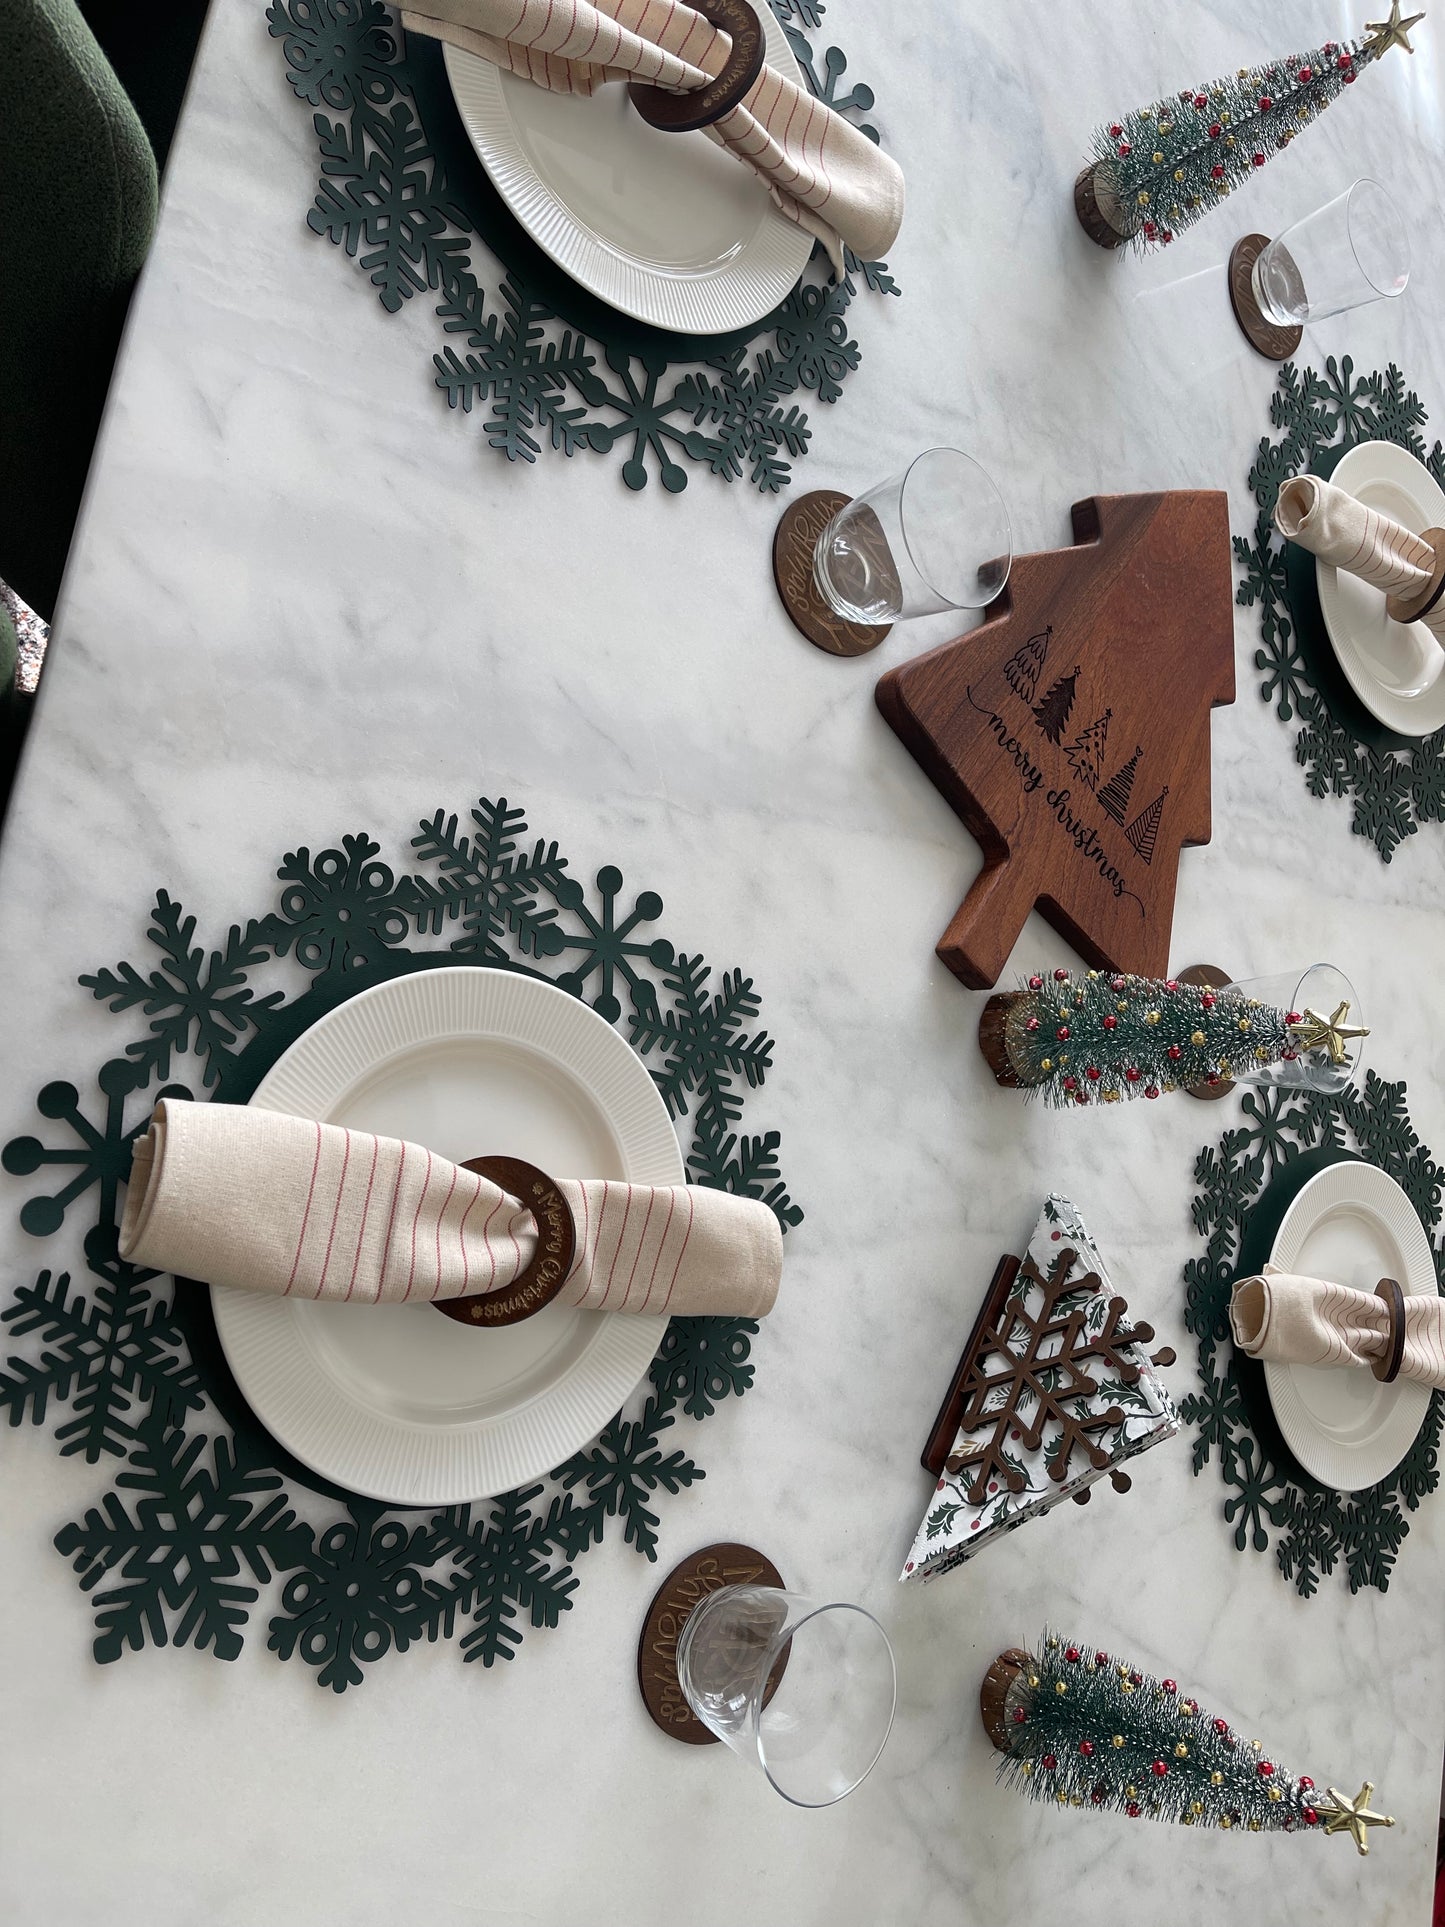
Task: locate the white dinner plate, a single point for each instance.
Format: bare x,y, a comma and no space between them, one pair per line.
398,1401
1396,669
1354,1225
667,227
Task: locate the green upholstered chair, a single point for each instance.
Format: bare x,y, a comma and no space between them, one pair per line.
77,212
151,48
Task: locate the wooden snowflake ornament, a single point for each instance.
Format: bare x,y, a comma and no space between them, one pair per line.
1024,1372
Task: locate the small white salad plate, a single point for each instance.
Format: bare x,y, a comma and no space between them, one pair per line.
1396,669
1354,1225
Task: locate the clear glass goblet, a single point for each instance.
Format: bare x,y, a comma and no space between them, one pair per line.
1353,250
804,1690
935,537
1322,989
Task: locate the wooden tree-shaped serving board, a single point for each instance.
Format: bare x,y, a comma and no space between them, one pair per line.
1071,731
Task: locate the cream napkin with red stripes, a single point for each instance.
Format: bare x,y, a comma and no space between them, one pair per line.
820,170
1341,531
1308,1321
266,1202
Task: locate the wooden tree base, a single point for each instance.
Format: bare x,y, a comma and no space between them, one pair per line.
1207,977
673,1604
993,1694
794,542
1266,337
993,1037
1094,216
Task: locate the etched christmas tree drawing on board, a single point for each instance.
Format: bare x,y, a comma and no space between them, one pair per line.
1026,665
1143,832
1114,796
1053,712
1086,755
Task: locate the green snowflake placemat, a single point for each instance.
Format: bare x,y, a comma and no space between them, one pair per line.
1395,785
196,1522
1247,1181
403,192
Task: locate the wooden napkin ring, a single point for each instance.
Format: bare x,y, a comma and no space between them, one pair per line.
1401,608
539,1284
1387,1368
685,113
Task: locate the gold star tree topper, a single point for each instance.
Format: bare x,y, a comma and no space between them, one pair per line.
1352,1816
1314,1032
1393,32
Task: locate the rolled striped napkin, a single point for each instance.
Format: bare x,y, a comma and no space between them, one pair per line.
1332,525
266,1202
1309,1321
821,171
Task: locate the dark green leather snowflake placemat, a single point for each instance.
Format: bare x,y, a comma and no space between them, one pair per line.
199,1517
1395,784
1246,1182
402,190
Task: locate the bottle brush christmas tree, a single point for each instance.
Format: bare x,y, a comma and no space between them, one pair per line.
1095,1037
1156,170
1081,1728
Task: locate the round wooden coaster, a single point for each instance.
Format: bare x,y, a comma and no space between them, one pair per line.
1273,342
684,1588
794,541
1207,977
539,1284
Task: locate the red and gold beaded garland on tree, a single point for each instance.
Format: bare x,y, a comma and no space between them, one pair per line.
1096,1037
1154,172
1080,1728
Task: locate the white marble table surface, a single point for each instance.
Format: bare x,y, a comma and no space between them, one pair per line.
305,598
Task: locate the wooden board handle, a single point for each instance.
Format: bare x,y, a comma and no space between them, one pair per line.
985,926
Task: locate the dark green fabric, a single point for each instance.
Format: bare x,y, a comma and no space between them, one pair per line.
9,662
14,705
77,209
151,49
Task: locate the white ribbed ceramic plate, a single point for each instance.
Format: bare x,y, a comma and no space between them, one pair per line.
397,1401
1352,1224
666,227
1396,669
